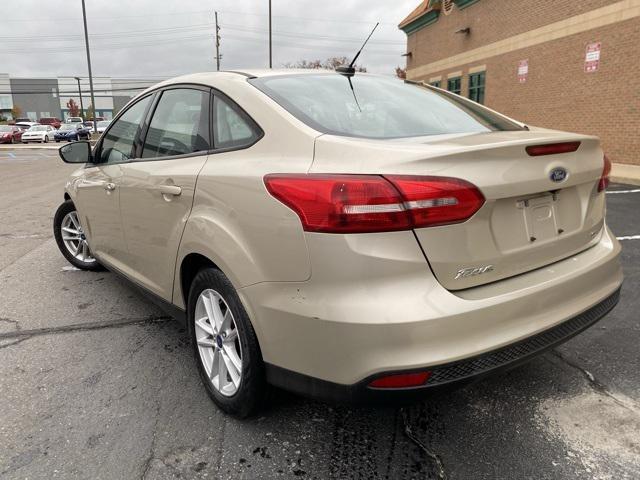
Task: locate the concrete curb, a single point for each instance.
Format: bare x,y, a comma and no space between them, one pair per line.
625,173
36,146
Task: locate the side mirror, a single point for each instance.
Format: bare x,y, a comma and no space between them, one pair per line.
76,152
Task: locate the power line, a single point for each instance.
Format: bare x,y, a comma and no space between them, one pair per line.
197,12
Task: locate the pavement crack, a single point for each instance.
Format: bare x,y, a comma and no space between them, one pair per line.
597,385
15,342
152,448
12,322
79,327
435,459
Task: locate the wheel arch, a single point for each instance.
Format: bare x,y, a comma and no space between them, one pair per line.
189,268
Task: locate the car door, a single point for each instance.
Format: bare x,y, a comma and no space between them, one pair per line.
157,188
97,194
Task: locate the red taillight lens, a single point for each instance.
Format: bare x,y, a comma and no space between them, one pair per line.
372,203
552,148
341,203
434,201
403,380
606,171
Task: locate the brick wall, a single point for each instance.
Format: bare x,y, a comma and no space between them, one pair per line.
558,93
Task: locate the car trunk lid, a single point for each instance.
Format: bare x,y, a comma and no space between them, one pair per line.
528,220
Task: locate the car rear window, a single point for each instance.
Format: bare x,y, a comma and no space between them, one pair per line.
377,107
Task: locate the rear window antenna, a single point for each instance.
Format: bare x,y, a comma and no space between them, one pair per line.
350,70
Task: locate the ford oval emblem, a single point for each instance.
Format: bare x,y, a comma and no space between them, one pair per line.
558,175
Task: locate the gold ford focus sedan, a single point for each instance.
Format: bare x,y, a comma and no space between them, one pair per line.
348,237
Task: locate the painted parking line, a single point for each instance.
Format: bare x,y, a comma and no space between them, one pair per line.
630,237
635,190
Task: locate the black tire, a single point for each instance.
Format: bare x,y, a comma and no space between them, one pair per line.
64,209
46,139
253,388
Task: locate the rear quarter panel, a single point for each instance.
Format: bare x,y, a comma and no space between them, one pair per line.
235,222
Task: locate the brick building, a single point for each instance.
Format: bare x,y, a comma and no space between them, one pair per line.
567,64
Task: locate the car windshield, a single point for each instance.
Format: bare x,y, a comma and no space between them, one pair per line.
4,128
38,128
377,107
67,126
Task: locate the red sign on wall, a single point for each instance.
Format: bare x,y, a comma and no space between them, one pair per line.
592,57
523,70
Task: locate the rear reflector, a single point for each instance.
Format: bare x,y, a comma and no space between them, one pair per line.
552,148
604,178
373,203
403,380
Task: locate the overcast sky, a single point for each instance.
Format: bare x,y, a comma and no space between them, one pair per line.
159,38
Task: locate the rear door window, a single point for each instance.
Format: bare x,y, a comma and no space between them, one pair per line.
180,124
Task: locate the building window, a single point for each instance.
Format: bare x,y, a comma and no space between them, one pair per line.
476,87
454,85
435,83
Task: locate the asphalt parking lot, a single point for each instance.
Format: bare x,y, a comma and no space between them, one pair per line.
95,382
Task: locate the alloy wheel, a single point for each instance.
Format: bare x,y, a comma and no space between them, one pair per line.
218,342
74,238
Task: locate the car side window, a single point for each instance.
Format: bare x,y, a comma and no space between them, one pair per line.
117,144
231,130
180,124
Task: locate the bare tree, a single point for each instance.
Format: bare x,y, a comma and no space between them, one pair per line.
74,110
329,64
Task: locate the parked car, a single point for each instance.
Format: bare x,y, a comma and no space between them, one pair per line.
39,133
23,120
72,132
26,125
102,125
349,237
53,121
10,134
74,120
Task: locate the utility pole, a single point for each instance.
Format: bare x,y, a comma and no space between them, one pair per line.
217,44
270,42
86,41
80,95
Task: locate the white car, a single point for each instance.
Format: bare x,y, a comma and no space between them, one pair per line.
102,125
39,133
26,125
75,120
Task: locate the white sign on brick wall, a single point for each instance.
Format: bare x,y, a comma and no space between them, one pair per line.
523,70
592,57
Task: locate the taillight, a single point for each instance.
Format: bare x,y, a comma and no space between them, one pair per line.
373,203
552,148
604,178
435,201
402,380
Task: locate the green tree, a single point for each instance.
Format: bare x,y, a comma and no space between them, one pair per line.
74,110
16,112
90,112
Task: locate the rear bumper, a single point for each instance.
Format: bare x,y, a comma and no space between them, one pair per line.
364,314
452,374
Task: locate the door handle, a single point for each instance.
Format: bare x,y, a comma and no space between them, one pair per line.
170,190
109,187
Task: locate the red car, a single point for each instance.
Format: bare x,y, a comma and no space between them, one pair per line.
10,134
53,121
